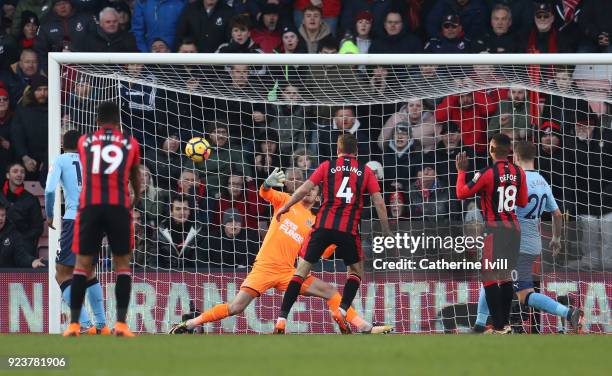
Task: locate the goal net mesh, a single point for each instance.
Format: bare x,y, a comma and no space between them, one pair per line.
199,225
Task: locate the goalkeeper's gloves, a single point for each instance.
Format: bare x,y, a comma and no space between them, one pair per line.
276,179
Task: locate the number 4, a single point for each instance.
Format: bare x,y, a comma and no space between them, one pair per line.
345,191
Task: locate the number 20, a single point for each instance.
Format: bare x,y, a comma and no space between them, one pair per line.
111,154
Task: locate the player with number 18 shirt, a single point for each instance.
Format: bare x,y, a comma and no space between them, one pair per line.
501,187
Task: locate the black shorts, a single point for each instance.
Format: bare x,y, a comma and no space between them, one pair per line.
96,221
500,253
348,246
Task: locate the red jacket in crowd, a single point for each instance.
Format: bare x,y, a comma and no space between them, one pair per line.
472,120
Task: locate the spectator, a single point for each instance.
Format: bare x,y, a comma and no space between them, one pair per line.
40,8
160,46
242,196
595,26
267,33
107,37
397,208
23,209
235,244
522,14
397,38
139,104
415,14
363,31
193,190
447,149
412,114
179,239
400,155
513,114
223,161
154,19
429,198
6,117
289,121
294,178
331,81
8,50
343,120
240,41
550,159
125,15
303,160
188,46
249,8
266,154
473,14
329,10
544,36
150,197
28,31
12,248
561,108
499,39
567,14
143,240
470,110
242,117
379,10
167,162
205,21
588,161
313,29
594,83
18,76
64,29
30,130
450,39
77,107
292,41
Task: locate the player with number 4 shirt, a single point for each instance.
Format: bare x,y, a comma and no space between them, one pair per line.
501,187
344,184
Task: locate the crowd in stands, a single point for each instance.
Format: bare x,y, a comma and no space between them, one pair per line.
196,215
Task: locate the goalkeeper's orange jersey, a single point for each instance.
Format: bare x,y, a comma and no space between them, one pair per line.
285,237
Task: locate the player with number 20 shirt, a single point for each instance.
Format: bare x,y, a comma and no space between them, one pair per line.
110,160
501,187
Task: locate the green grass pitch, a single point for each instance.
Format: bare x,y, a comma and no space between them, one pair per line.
318,355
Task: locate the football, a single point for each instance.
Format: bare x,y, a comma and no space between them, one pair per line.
198,149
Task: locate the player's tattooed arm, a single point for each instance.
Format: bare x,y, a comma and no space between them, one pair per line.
136,184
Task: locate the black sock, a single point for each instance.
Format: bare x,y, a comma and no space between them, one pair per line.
293,290
350,290
492,293
506,296
77,295
123,288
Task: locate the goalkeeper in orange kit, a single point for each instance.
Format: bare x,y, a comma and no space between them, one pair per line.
274,265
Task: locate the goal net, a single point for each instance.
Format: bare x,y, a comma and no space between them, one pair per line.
199,225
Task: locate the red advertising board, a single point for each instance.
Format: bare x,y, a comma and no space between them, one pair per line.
409,301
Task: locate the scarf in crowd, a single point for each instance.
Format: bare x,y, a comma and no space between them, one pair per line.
534,73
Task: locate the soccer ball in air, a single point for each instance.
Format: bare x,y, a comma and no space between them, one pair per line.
198,149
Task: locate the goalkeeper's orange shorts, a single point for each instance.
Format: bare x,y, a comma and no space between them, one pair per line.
260,280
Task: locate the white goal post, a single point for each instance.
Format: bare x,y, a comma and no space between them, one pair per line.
166,63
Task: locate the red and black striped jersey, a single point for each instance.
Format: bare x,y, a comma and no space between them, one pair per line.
501,187
344,183
107,157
